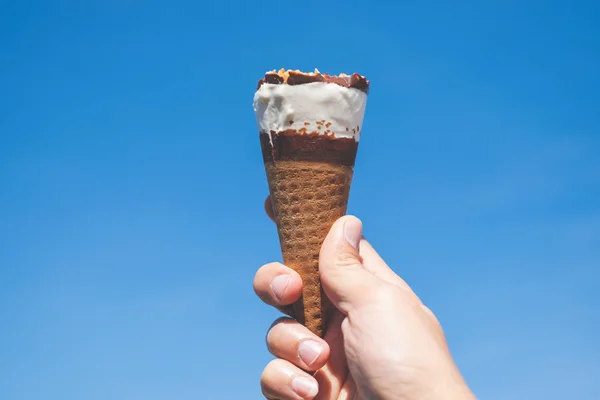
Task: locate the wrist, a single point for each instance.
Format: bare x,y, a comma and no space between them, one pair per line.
452,391
464,393
449,386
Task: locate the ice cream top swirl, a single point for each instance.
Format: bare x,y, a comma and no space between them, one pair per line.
311,104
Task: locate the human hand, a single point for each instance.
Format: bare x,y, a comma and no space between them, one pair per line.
381,341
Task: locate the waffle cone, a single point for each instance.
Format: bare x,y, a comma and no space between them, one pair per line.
307,197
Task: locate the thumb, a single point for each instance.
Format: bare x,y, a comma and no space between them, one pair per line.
345,281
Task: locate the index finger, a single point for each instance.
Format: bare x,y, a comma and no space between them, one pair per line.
278,285
269,208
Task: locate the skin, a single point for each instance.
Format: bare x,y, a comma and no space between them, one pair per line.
381,343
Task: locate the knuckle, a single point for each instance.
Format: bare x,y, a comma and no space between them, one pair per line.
346,259
388,294
432,317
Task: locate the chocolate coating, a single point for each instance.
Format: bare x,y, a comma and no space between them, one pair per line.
355,81
291,145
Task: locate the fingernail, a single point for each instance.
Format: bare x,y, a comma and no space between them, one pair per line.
279,284
304,387
309,351
353,232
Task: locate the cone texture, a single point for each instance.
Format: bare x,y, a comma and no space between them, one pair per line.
307,197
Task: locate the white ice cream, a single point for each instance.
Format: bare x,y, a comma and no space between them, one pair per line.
318,107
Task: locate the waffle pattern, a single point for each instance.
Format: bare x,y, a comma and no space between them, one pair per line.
308,197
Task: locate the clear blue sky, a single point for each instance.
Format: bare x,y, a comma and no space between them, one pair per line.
131,187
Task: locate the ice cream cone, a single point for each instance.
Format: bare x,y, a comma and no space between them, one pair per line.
309,130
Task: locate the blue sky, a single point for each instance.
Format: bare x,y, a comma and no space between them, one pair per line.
131,187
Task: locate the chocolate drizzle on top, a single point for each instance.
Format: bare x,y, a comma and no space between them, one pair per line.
355,80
